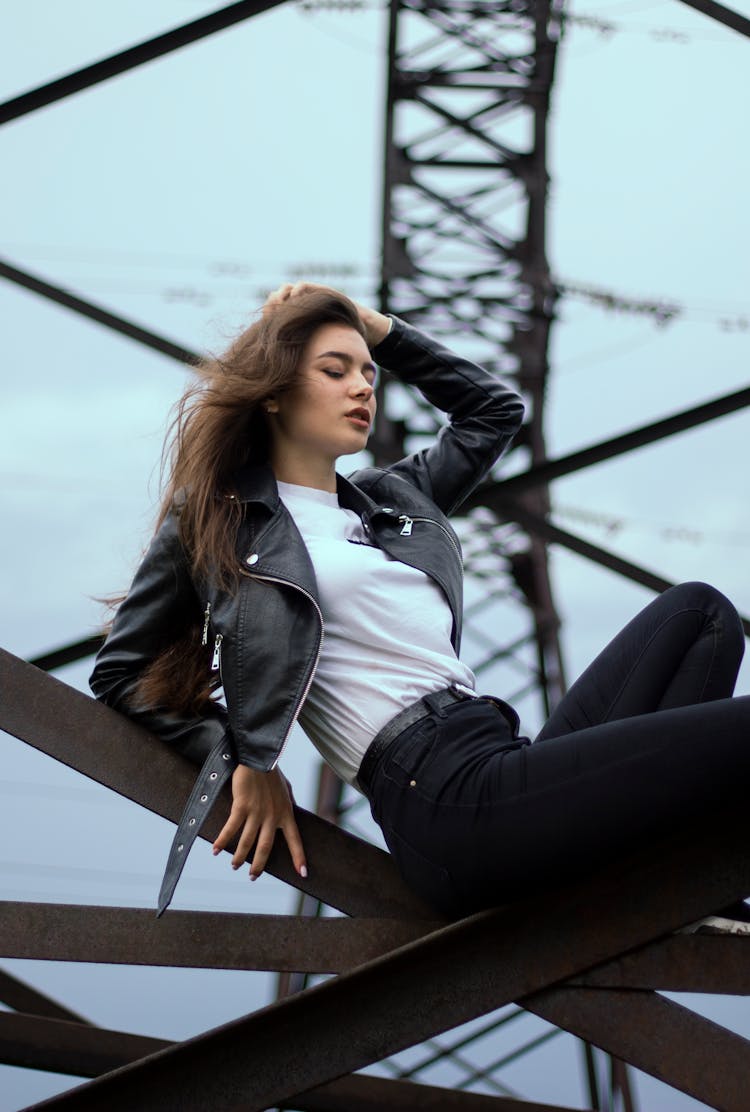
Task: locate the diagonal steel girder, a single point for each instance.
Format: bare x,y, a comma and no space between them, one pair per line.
451,975
720,12
19,996
129,59
96,313
536,523
46,1044
617,445
345,872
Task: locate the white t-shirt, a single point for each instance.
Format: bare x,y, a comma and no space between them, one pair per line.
387,629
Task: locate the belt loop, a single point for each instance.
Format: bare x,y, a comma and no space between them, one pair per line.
435,703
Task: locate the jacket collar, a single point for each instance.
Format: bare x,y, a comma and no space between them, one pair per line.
257,483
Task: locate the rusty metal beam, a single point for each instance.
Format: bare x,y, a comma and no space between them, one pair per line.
378,1094
96,313
21,997
83,1051
679,963
658,1036
128,59
449,977
39,1043
345,872
196,939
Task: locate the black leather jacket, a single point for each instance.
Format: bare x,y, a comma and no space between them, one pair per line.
268,634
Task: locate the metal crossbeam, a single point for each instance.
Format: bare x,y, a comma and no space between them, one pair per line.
21,997
345,872
128,59
83,1051
680,963
535,523
457,973
220,940
617,445
197,939
96,313
40,1043
710,1062
722,14
445,978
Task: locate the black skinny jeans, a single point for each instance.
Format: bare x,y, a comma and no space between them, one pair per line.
647,738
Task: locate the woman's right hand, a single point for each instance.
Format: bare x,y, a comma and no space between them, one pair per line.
375,324
261,805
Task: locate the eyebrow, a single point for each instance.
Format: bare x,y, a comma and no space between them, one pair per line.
345,358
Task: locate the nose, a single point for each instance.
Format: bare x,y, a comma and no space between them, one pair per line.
362,388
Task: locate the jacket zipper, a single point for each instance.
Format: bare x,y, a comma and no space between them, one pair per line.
308,685
206,620
216,658
408,523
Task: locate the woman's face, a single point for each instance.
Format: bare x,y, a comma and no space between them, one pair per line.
329,411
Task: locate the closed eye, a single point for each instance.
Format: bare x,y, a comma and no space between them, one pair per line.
332,374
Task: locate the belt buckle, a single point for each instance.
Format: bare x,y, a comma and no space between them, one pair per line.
462,691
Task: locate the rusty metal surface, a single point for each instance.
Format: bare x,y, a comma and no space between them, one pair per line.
19,996
196,939
345,872
461,971
680,963
374,1094
59,1046
65,1048
658,1036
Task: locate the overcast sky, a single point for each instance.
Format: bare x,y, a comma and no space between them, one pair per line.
174,195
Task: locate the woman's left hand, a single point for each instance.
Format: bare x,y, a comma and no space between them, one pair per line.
261,805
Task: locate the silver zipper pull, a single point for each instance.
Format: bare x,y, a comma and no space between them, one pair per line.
216,659
206,620
407,525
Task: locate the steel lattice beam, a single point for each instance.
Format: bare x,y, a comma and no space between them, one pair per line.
131,58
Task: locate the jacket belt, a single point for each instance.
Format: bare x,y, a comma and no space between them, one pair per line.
218,767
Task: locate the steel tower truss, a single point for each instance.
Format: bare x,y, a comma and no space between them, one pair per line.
463,257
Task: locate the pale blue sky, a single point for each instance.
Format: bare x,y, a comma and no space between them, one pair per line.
173,195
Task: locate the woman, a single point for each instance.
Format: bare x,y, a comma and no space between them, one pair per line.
339,601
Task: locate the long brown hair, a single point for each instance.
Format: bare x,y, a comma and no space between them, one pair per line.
219,426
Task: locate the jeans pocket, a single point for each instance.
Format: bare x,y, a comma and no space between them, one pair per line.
411,753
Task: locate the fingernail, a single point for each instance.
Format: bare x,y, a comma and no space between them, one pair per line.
253,876
235,867
303,871
215,850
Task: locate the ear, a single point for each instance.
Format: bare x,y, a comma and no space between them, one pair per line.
270,405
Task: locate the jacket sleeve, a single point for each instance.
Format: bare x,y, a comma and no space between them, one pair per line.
158,605
484,415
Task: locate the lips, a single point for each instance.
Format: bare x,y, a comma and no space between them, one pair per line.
360,415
